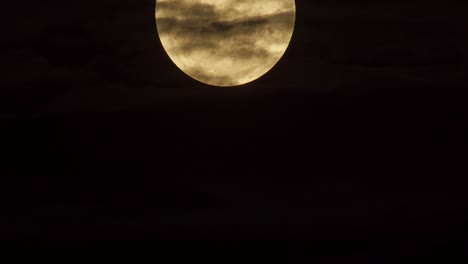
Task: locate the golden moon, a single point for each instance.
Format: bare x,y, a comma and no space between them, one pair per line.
225,42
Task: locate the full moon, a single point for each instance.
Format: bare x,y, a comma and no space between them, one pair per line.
225,42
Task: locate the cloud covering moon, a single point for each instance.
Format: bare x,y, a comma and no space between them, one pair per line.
225,42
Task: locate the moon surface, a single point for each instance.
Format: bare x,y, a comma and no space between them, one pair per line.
225,42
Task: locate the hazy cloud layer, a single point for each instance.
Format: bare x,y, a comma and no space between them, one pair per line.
225,42
97,56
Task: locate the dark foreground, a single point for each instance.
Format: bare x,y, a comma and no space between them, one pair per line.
376,178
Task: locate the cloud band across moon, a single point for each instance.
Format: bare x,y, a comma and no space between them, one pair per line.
225,42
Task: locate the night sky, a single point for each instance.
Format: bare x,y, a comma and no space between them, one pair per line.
351,149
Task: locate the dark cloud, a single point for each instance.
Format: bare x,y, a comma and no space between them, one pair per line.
202,76
53,52
195,27
192,10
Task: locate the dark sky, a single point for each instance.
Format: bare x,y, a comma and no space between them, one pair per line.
95,56
353,148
